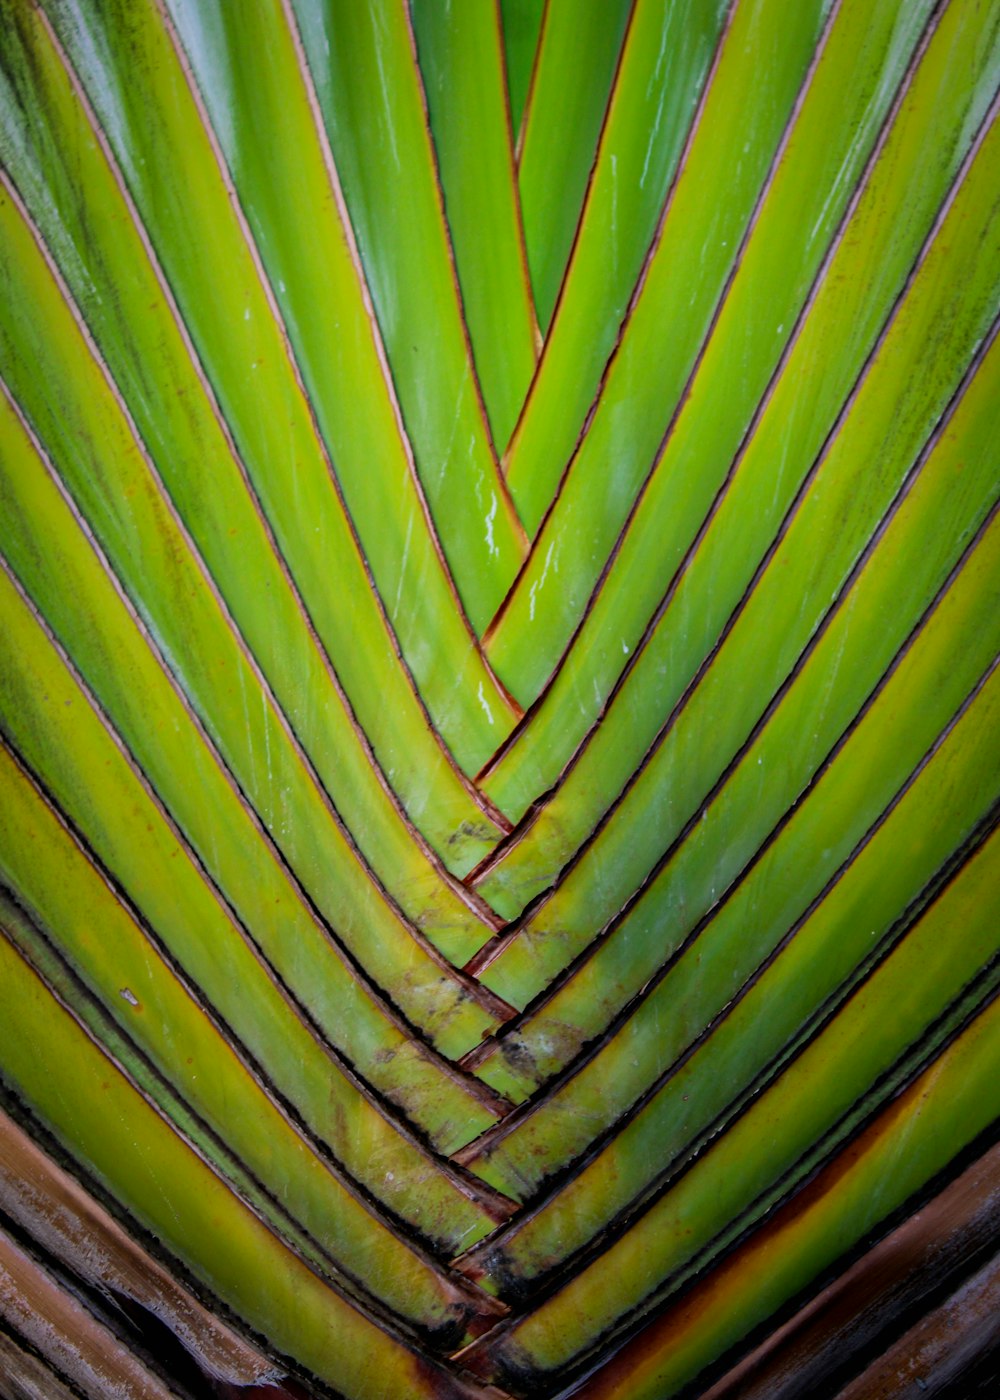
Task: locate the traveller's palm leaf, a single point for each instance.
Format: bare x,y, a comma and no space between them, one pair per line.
499,611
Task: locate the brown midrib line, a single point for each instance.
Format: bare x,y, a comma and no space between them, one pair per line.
835,242
530,94
892,1084
382,354
522,247
813,1025
549,1282
215,408
551,1087
383,1005
495,947
490,1200
293,366
500,482
472,988
357,1291
351,243
543,340
623,326
480,1053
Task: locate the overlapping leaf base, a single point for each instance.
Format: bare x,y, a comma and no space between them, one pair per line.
499,707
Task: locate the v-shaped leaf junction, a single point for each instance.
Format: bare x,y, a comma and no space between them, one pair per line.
499,709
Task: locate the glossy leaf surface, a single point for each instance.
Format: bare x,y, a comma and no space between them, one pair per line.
499,702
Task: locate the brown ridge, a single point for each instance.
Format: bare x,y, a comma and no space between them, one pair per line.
491,950
477,905
491,1201
355,256
835,242
498,1132
579,226
529,95
268,293
809,1030
493,858
522,246
335,1275
501,483
370,988
489,953
543,339
640,283
478,1054
820,1156
626,32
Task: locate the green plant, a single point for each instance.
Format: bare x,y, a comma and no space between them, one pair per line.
498,696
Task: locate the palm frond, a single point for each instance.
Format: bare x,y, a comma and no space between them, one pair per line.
499,707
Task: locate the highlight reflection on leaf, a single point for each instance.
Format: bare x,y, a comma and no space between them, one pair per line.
499,737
